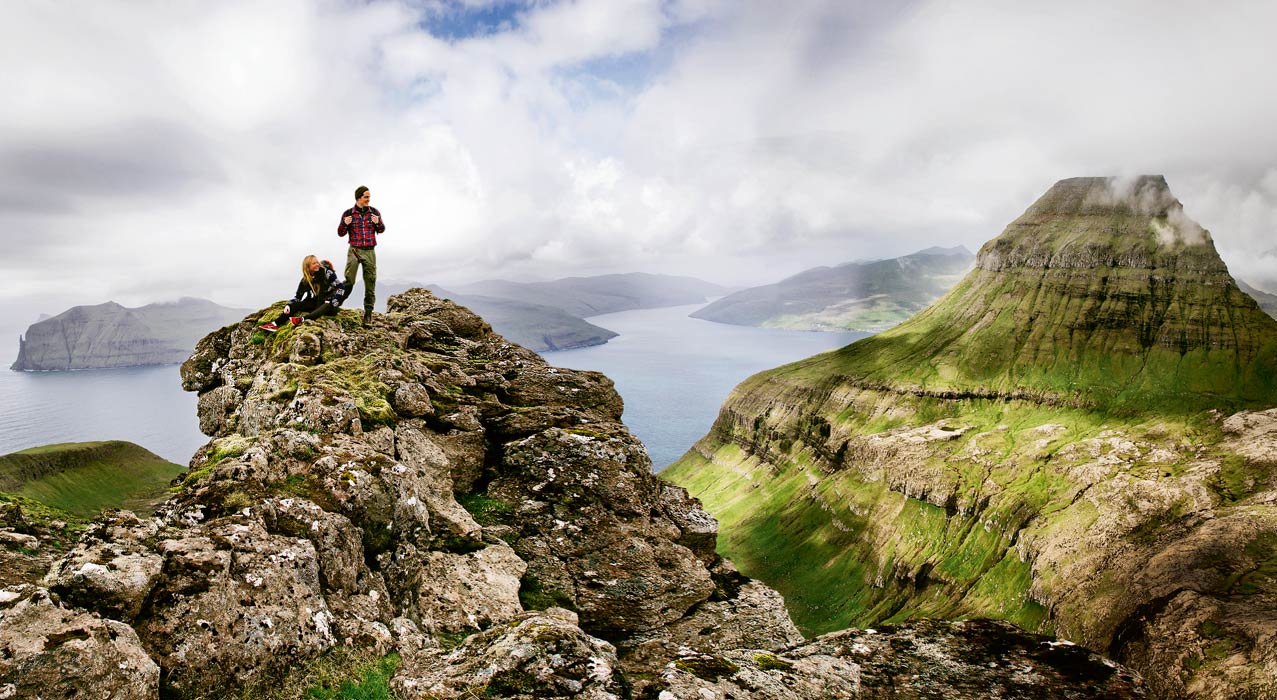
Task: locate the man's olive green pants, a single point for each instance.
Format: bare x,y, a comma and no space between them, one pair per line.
367,257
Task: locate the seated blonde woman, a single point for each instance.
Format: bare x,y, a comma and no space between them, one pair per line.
319,293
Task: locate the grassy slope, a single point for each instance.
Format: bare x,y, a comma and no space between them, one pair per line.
85,477
1077,316
867,545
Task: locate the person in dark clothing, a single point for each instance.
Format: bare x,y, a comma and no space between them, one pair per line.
362,223
319,293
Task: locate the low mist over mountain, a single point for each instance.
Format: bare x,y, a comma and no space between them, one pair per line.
1267,302
603,294
110,335
865,296
534,326
547,316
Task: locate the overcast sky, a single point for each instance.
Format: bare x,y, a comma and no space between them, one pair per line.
150,150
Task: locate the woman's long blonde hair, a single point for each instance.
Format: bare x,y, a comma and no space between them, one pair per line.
306,275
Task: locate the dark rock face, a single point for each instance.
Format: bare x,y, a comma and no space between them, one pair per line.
328,510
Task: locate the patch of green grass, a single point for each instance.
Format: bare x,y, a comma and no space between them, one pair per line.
343,673
85,478
534,595
370,682
846,549
485,509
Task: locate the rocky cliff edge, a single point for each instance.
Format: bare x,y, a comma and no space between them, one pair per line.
425,488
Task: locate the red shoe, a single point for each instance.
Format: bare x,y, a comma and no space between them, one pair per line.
295,320
269,327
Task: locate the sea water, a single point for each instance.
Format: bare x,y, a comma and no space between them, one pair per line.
143,405
673,373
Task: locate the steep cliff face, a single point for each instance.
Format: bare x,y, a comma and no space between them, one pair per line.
425,488
110,335
1056,442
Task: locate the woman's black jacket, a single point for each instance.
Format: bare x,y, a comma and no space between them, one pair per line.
331,289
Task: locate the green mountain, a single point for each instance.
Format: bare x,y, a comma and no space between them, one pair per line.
865,296
1092,298
1078,438
83,478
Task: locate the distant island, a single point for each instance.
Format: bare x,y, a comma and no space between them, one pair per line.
549,316
534,326
863,295
110,335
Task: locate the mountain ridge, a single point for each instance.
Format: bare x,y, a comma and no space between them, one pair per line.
1078,438
860,295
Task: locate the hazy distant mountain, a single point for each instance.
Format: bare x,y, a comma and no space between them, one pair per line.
546,316
534,326
867,296
110,335
1267,302
602,294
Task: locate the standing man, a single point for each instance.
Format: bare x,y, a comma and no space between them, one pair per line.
363,223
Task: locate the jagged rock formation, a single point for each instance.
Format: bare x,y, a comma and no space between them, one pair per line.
864,296
1051,443
110,335
399,487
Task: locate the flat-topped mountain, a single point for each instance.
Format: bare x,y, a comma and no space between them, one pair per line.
864,295
110,335
423,505
1079,438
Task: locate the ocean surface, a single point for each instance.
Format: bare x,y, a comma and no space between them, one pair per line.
672,371
144,405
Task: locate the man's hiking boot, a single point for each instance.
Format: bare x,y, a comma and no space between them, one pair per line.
295,320
269,327
367,317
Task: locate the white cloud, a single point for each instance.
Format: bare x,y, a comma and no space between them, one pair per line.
184,148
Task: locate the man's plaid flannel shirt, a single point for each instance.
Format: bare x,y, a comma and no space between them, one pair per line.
363,232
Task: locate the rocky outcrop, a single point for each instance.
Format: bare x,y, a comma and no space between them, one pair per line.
861,296
425,487
110,335
1057,442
